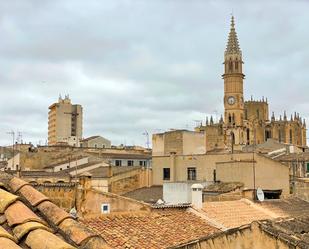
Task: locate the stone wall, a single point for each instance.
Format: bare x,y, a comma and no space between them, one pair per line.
302,188
240,238
131,180
62,194
88,201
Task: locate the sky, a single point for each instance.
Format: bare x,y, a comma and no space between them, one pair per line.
144,65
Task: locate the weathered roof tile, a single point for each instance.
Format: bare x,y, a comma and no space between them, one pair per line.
17,183
52,212
32,195
96,243
76,231
27,222
6,199
19,213
23,229
40,238
5,234
8,244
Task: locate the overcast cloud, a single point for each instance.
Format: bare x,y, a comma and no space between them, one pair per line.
144,65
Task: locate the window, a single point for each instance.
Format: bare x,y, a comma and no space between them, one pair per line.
105,208
191,174
166,174
68,167
291,136
130,163
141,163
307,167
118,162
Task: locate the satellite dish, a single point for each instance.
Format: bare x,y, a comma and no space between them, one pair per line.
260,194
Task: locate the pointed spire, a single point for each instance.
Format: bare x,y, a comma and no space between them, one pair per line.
206,121
284,116
304,123
291,117
221,119
211,120
273,117
280,118
232,44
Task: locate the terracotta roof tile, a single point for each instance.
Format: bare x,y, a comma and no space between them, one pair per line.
17,183
96,243
19,213
6,199
8,244
32,195
76,231
2,219
52,212
27,223
5,234
39,239
158,229
233,214
23,229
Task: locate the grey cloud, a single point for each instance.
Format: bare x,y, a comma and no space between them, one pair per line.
144,65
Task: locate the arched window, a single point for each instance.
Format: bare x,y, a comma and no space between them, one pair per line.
236,65
291,136
230,65
230,118
258,113
248,136
232,137
280,136
233,119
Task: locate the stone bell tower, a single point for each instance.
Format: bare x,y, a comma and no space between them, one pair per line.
233,89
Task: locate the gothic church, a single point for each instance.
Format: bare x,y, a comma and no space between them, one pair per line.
247,122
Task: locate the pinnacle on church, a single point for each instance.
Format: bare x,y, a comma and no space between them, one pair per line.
232,44
221,119
211,120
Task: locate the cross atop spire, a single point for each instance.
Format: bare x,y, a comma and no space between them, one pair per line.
232,44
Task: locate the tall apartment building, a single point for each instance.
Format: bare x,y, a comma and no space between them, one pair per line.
65,123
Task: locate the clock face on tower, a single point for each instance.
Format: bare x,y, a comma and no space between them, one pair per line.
231,100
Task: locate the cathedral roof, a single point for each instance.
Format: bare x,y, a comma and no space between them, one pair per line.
232,44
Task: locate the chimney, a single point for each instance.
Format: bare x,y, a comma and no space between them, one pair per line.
85,181
197,195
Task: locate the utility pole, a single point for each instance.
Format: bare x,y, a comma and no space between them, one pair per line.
12,133
253,159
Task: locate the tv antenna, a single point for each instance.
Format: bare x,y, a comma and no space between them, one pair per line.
146,134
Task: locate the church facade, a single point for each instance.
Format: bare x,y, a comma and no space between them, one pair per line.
247,122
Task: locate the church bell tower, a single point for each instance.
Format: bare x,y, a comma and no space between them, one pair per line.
233,88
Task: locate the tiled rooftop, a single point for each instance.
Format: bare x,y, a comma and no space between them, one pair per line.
231,214
294,231
290,207
158,229
29,220
149,195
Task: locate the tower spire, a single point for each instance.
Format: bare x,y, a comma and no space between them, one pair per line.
232,44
